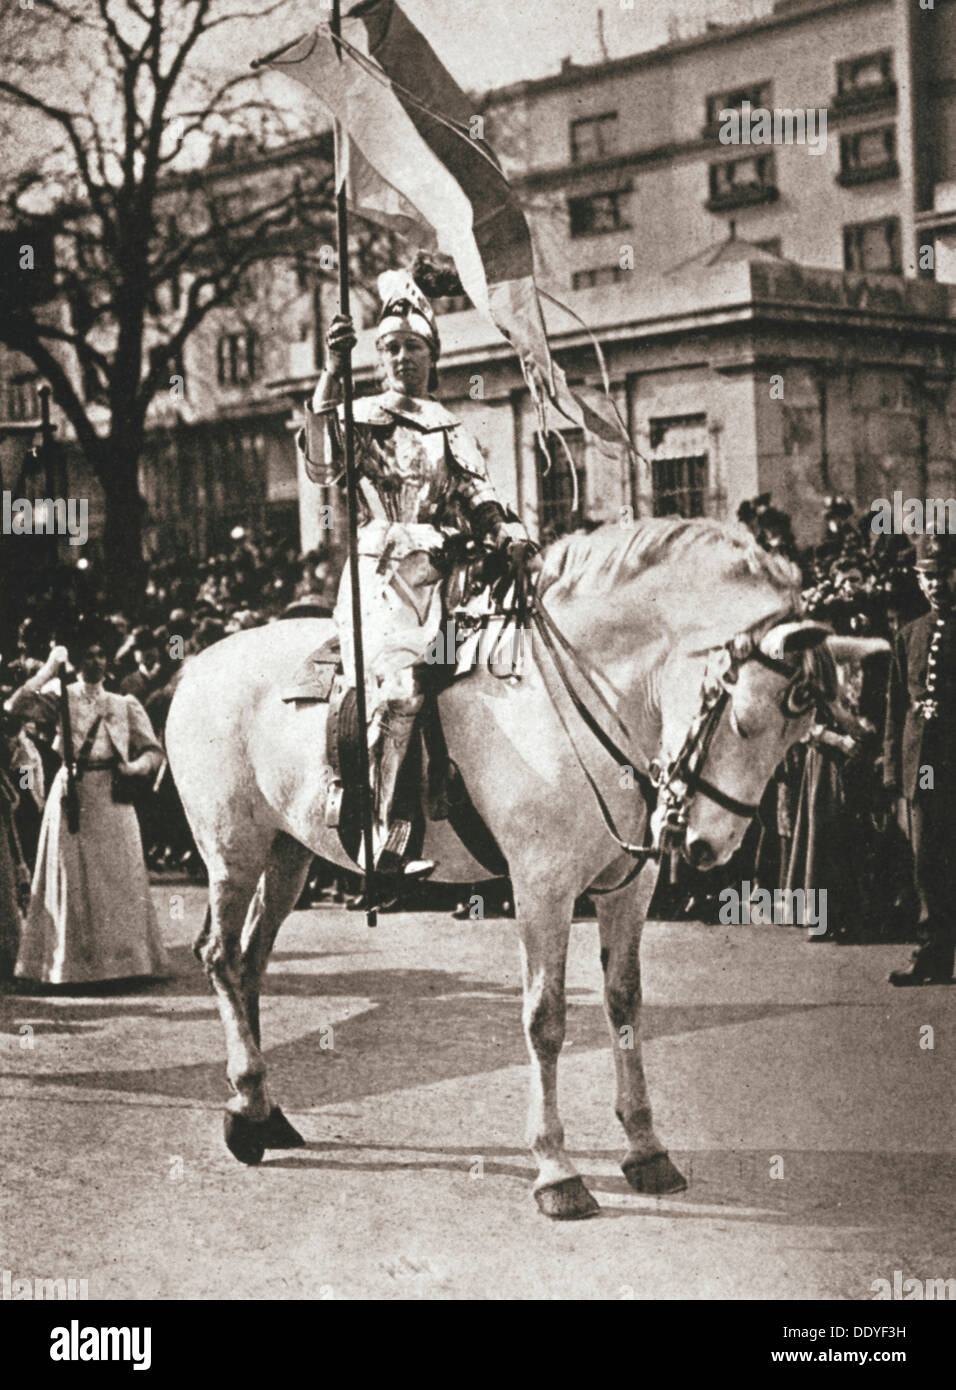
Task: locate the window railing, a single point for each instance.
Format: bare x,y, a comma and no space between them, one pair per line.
736,183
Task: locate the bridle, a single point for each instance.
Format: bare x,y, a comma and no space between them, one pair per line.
675,785
682,779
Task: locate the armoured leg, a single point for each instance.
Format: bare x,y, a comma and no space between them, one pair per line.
395,735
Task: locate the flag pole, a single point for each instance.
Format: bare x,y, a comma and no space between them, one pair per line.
351,488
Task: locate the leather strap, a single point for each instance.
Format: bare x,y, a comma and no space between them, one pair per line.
640,853
728,803
545,627
82,756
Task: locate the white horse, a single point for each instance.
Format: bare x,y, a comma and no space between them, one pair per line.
639,620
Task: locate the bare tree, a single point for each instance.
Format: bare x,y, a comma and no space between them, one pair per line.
126,120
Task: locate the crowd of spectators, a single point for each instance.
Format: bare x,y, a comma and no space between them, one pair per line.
185,606
826,820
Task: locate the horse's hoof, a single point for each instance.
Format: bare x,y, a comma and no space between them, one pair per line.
245,1138
655,1175
566,1201
279,1134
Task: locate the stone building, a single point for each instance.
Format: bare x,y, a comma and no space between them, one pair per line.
767,313
773,316
746,376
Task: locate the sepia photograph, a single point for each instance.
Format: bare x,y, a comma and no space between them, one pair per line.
478,665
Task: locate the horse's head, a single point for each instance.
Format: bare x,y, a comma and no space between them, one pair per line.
728,718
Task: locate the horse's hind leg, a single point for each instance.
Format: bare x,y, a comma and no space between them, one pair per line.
544,924
277,893
230,892
621,919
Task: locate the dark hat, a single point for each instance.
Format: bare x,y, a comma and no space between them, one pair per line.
93,631
208,631
936,554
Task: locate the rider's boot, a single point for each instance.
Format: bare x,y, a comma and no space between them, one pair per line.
392,833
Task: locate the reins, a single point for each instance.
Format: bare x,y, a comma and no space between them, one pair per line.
549,632
683,778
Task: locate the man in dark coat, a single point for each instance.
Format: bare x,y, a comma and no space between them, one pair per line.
919,756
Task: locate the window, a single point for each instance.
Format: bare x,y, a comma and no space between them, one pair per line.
758,94
865,77
868,155
173,241
603,275
739,182
593,137
679,464
236,358
19,400
556,512
680,486
873,246
600,212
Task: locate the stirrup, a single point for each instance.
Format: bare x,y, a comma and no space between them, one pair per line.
392,866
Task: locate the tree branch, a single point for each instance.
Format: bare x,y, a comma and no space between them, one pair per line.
66,119
21,337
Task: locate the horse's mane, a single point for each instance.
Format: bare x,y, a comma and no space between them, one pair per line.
601,561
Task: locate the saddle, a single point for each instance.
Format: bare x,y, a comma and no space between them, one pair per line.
430,785
313,680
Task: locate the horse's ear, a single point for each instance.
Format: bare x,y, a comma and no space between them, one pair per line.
852,650
789,639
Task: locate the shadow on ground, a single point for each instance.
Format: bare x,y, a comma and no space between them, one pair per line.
424,1026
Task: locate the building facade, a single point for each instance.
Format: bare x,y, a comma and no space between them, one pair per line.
773,311
773,316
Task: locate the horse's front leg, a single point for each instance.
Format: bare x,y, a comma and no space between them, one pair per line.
621,915
544,924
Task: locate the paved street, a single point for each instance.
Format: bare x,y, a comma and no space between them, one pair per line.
764,1053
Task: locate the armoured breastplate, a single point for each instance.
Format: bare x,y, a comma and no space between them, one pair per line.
406,470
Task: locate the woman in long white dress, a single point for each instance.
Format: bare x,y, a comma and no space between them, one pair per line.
91,915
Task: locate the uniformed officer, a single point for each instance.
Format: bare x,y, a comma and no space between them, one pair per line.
919,756
421,478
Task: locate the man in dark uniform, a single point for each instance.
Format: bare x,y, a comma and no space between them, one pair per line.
919,756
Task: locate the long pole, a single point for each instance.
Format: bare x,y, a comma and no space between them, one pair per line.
46,450
351,488
72,799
